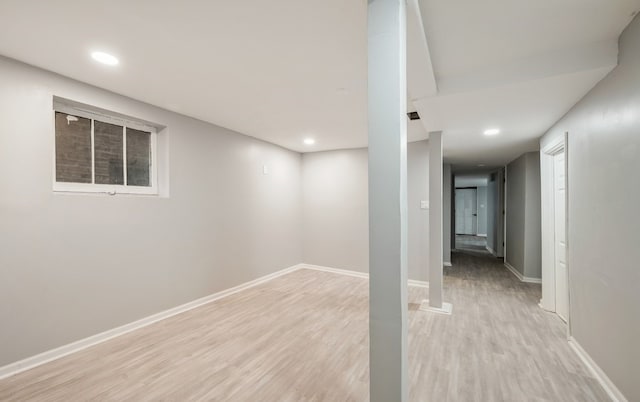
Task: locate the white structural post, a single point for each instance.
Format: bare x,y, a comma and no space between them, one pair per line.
387,120
435,302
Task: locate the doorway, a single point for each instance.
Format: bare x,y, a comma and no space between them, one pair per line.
467,221
467,211
560,239
556,283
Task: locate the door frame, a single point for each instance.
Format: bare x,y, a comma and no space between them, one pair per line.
548,300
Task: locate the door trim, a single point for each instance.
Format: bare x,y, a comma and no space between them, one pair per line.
548,301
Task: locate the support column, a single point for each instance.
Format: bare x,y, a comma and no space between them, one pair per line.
387,120
435,302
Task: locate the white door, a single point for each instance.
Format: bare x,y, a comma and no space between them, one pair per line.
562,278
466,211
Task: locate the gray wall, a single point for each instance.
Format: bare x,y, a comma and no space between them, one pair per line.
523,236
495,221
335,209
533,214
75,265
482,210
516,200
447,209
603,192
492,210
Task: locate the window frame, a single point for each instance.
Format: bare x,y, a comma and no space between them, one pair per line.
111,189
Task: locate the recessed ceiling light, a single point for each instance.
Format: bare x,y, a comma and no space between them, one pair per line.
105,58
492,131
309,141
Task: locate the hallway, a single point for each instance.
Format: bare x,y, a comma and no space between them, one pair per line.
498,345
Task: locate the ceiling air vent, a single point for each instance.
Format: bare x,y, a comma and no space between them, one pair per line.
413,116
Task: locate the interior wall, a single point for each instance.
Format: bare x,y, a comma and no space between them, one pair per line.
492,211
73,265
523,233
482,210
603,155
335,209
516,211
500,213
447,210
533,230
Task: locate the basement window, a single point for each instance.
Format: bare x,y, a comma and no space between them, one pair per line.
99,152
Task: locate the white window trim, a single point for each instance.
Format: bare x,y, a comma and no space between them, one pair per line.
110,189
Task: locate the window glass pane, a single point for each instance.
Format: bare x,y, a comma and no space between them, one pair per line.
138,157
73,149
108,153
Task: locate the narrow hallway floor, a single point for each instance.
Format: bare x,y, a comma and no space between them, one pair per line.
498,345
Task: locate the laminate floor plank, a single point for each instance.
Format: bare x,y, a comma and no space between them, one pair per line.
304,337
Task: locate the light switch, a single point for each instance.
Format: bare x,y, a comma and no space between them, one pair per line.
424,204
265,169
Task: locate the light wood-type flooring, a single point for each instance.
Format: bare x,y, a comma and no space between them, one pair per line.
471,243
304,337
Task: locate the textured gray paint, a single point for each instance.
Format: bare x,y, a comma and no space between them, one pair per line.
75,265
523,237
495,206
603,192
418,190
533,235
516,196
482,210
492,213
447,185
335,209
500,206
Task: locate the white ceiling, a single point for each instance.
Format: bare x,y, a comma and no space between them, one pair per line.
289,69
277,70
517,65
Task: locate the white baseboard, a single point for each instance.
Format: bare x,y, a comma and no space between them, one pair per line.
521,277
447,264
57,353
481,235
446,309
489,249
606,383
357,274
65,350
347,272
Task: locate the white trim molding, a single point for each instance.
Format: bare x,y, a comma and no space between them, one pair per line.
606,383
447,264
521,277
357,274
339,271
65,350
481,235
547,212
492,251
446,309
